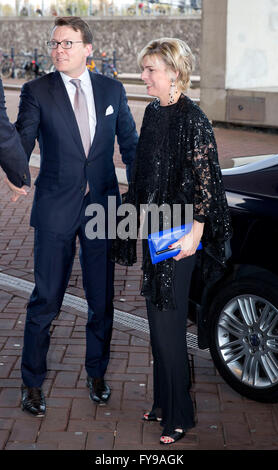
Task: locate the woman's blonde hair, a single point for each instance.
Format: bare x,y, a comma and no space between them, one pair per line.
177,56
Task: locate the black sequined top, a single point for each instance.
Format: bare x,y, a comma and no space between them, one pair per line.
177,163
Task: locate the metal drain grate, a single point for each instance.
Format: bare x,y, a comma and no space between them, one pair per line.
124,318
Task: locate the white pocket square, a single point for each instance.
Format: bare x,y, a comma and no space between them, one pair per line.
109,110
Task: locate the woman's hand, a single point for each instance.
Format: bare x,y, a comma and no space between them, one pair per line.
189,242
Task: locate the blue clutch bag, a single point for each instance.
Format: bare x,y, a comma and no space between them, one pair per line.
159,242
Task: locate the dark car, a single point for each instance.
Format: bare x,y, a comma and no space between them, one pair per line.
238,316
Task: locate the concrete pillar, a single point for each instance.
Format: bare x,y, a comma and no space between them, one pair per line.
213,58
239,67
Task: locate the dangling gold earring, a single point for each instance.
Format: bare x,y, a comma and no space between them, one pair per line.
173,92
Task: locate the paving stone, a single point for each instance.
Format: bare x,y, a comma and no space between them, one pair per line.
139,359
56,419
10,397
86,425
10,383
207,402
214,419
53,402
62,331
117,365
118,354
227,394
233,430
72,360
135,341
205,387
6,325
66,440
151,433
30,446
105,413
124,348
75,350
251,406
66,379
5,369
139,370
123,306
4,435
100,440
261,423
210,439
130,433
141,405
14,343
69,392
52,366
25,430
126,377
12,413
6,423
134,391
263,442
83,409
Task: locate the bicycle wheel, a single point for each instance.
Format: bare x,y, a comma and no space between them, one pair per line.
6,70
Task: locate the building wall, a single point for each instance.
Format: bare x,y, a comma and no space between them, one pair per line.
125,35
252,38
239,68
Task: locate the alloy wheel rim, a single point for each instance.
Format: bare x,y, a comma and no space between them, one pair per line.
247,340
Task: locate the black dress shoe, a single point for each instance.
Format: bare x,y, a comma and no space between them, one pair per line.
99,389
33,400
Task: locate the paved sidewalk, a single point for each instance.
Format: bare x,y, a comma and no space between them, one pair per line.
225,420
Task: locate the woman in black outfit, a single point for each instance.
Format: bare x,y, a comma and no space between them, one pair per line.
176,163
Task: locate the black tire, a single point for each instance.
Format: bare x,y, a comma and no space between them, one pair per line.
243,336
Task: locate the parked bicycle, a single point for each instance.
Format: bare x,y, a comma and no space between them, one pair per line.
108,67
41,64
44,65
26,65
30,65
91,65
6,66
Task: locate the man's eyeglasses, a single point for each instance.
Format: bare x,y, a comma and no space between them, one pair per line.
64,44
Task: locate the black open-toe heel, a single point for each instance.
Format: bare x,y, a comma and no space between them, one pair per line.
175,435
151,416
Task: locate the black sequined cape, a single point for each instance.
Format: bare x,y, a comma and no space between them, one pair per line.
177,163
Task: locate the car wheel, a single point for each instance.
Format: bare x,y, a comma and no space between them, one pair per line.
243,337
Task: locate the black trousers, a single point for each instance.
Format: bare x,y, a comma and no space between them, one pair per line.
171,370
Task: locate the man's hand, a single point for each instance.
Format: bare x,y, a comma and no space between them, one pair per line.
17,192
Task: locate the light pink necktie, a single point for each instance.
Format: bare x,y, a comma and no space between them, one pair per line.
82,115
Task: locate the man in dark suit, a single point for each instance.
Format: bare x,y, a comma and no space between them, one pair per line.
12,156
76,129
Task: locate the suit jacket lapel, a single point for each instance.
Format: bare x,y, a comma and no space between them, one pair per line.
99,99
58,91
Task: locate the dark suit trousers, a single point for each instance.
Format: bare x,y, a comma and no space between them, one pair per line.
172,400
53,258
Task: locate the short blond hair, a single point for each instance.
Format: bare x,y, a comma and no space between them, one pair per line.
177,56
